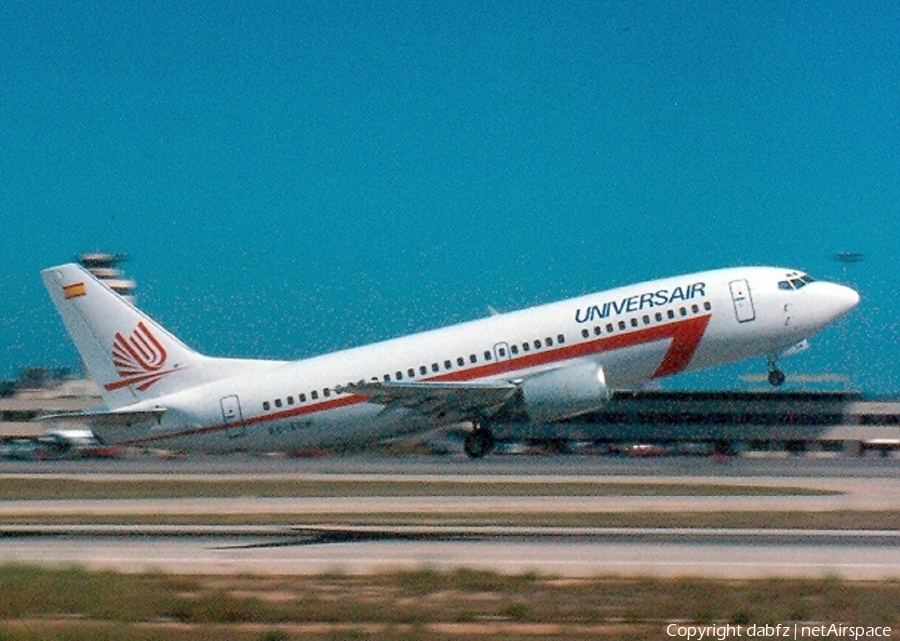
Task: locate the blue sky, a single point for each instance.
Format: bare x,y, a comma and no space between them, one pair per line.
293,178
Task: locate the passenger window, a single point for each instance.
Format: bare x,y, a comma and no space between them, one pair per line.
435,367
609,328
398,376
487,355
423,370
526,347
267,406
302,398
585,333
695,308
411,372
658,317
707,306
326,392
671,314
447,364
387,378
502,351
548,342
472,358
634,322
621,324
537,344
277,402
314,394
597,330
646,319
514,349
561,338
460,361
682,311
290,400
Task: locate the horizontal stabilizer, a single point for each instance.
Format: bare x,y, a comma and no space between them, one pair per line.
105,419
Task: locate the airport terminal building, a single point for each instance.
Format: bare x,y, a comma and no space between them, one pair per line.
641,422
756,421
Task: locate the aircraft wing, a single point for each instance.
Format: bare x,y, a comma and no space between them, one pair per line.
104,418
445,401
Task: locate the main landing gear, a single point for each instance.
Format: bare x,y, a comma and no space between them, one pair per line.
776,376
479,442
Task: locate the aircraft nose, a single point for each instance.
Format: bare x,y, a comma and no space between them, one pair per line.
839,300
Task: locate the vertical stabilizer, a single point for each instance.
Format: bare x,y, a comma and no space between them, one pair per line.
130,356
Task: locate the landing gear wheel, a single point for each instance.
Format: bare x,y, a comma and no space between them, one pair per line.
479,442
776,378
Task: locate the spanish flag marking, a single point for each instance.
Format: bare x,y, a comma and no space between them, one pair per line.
74,290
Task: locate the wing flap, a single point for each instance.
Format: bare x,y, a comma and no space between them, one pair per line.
445,401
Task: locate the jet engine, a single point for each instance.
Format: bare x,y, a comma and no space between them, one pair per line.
564,392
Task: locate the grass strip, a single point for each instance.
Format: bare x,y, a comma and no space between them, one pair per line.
37,488
75,604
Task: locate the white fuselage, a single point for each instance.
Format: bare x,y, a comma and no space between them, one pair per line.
635,333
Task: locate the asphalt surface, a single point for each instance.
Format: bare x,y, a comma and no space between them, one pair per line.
714,554
864,484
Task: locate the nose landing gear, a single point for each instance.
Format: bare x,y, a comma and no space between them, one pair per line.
776,376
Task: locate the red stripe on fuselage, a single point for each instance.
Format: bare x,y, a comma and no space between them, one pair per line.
685,335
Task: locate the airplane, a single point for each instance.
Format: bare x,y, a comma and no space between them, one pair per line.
540,364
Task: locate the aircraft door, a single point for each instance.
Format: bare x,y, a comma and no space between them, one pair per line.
231,413
743,300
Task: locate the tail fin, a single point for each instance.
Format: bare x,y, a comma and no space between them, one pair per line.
130,356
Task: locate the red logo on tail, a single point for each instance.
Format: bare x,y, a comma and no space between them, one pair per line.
139,359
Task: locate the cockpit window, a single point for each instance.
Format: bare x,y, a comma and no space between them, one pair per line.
795,281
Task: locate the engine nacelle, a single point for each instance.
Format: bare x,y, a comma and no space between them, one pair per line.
564,392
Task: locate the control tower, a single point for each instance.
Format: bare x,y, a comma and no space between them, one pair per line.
105,268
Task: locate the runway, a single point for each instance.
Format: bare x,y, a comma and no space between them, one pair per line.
662,552
862,486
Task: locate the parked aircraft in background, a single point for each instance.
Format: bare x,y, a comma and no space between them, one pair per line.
539,364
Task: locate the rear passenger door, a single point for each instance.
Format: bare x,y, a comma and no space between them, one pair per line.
231,413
